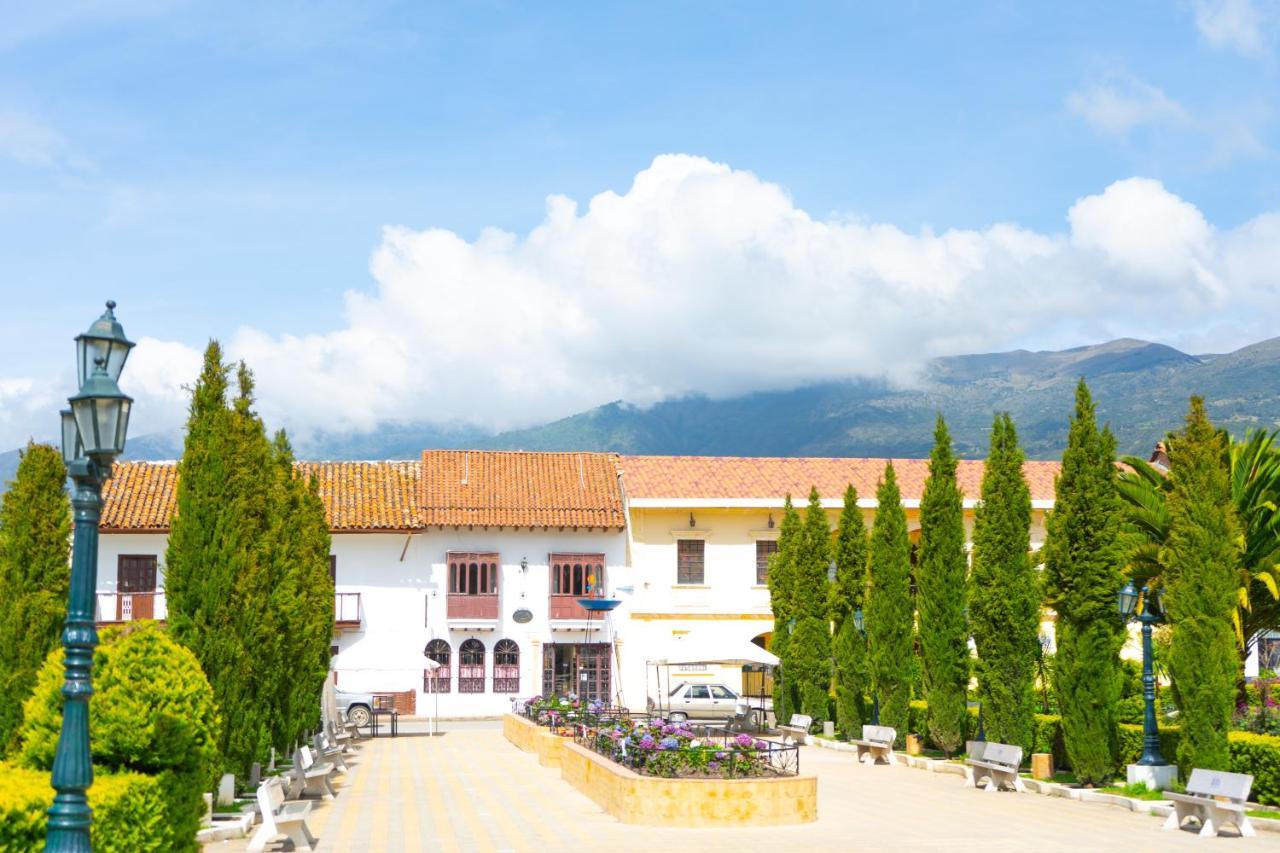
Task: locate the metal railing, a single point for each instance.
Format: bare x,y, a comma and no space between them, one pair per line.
717,754
129,606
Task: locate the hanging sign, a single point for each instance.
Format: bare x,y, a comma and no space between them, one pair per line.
522,616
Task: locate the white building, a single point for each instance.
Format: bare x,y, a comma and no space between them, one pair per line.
473,558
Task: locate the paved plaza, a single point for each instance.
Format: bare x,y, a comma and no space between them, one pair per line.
468,789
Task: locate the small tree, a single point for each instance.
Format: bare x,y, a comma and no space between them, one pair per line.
1202,575
889,612
1004,600
940,582
781,589
849,646
1083,558
35,538
810,645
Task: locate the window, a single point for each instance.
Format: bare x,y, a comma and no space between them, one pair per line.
471,666
437,680
136,573
473,573
506,667
718,692
765,549
576,574
689,560
698,691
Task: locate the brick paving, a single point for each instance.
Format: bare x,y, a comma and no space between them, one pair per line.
471,790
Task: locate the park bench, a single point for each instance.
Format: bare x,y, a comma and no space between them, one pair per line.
797,729
329,751
281,818
1214,798
313,775
876,742
998,765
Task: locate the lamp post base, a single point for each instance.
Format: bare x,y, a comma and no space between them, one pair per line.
1157,777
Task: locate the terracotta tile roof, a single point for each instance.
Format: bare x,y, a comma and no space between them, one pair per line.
520,489
358,496
732,477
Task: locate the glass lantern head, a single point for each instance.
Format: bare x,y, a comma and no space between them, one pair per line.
101,412
105,340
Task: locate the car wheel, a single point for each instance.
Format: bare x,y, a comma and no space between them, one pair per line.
679,717
358,714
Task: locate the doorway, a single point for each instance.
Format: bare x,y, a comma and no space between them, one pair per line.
581,669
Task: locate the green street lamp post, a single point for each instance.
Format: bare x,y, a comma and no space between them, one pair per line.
860,625
93,435
1127,603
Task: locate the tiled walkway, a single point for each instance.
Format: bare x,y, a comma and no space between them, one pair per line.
472,790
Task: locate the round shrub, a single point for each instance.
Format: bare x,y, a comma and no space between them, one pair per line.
128,811
152,712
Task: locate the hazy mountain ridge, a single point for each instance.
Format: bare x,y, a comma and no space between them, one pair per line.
1141,389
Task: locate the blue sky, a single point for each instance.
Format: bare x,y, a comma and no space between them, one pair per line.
228,169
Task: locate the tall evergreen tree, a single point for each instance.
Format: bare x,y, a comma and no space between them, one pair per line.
848,645
889,614
1004,597
940,583
1083,558
809,647
1201,577
35,572
781,595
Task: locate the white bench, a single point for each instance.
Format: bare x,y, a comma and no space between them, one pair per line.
1214,798
876,743
313,775
281,819
329,751
797,729
998,765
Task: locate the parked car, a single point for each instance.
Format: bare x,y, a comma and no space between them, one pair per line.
702,702
357,706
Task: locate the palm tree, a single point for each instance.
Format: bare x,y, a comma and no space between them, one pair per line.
1254,469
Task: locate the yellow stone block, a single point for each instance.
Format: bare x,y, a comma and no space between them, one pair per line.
1041,765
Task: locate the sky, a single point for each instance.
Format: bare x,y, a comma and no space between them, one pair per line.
502,213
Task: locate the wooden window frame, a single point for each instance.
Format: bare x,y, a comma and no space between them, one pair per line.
762,567
685,562
471,675
473,573
443,674
506,666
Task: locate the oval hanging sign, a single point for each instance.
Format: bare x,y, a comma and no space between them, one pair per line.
522,616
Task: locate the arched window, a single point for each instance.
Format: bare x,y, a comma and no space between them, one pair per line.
506,667
471,666
437,680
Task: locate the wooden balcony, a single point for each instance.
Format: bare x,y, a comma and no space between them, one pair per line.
473,606
114,608
346,610
565,608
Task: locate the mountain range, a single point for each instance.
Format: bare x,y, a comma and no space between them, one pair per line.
1141,389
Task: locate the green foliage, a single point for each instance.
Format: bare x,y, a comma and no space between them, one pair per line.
809,666
1259,756
812,558
1083,555
35,542
889,617
128,812
1004,599
152,712
940,582
848,646
781,595
1201,579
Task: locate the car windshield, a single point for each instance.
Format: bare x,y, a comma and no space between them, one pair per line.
676,689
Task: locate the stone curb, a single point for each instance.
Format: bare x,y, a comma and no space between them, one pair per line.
1158,808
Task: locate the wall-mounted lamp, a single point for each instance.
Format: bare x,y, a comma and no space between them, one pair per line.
770,521
524,564
692,523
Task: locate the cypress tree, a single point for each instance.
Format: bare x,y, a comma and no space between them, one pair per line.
1201,578
889,617
1004,598
940,582
35,572
1083,560
781,574
809,647
849,647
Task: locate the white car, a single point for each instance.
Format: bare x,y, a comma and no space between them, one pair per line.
702,702
357,706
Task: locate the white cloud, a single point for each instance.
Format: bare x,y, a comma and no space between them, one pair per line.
1231,25
30,141
1123,103
702,278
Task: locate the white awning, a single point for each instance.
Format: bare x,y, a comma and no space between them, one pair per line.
720,654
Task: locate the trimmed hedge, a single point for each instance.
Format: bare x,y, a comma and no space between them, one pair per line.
128,811
1258,755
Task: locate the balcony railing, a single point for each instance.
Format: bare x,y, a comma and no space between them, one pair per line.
346,609
473,606
565,607
115,607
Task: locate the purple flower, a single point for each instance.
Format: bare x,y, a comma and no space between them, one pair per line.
646,742
744,740
668,729
669,743
713,766
762,744
720,755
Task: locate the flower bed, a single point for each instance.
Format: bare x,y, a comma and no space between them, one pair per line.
655,747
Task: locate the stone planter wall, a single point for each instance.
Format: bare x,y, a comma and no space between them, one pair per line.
531,737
